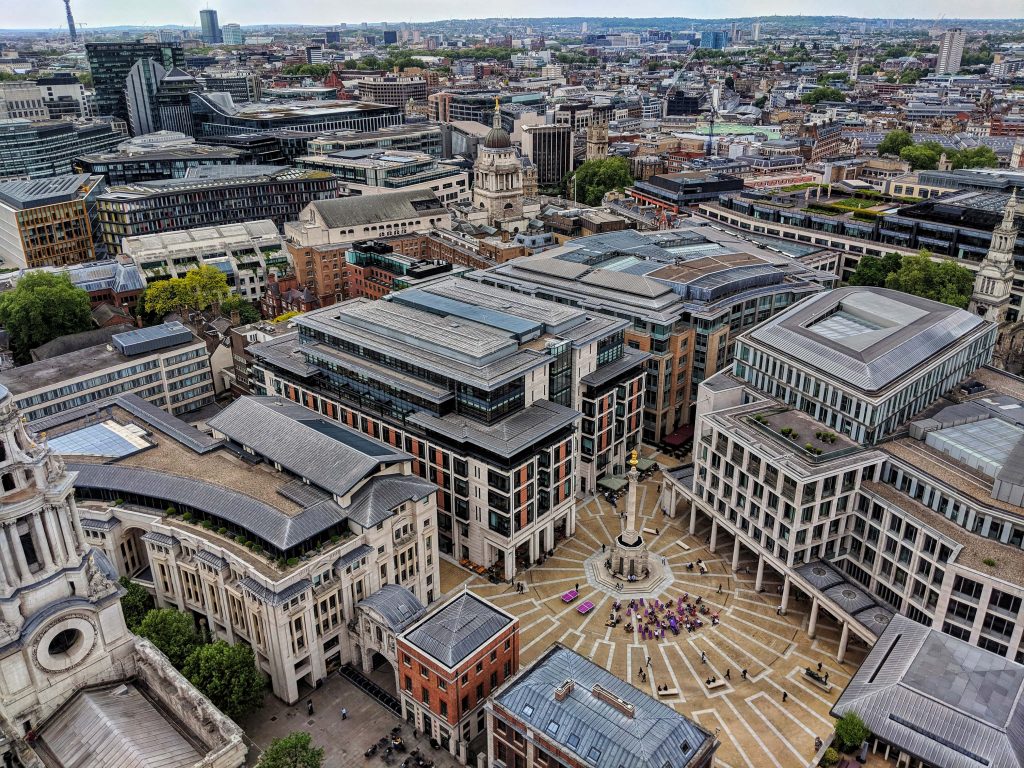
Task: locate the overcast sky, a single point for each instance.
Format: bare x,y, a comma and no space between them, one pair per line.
99,13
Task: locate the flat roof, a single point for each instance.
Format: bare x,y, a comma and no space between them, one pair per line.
33,193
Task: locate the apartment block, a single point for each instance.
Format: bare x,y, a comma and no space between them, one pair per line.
450,661
49,222
483,390
211,196
164,364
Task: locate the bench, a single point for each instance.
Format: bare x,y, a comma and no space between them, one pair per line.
585,607
569,596
683,544
669,692
651,531
811,675
719,683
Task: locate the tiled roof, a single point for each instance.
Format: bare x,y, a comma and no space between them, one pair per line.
395,604
457,629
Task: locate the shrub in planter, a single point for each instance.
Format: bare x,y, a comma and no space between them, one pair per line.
830,758
187,517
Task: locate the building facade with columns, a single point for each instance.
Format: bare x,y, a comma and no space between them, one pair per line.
485,390
270,531
862,449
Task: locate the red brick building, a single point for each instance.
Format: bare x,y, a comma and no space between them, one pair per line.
449,662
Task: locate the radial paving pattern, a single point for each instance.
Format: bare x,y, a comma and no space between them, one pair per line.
757,729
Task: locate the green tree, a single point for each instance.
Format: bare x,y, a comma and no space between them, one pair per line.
760,101
975,157
227,674
944,281
162,297
247,313
850,731
823,93
135,603
596,177
867,69
910,76
295,750
172,632
923,156
42,307
872,270
199,289
894,142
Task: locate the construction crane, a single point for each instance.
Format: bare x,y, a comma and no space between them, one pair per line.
71,21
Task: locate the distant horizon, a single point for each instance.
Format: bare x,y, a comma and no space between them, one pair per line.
146,14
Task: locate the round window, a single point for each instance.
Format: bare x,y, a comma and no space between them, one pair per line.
64,642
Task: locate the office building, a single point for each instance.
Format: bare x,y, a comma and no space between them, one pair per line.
550,149
49,222
232,34
373,269
929,698
243,86
161,155
314,54
863,450
279,551
687,293
70,664
396,90
111,63
414,137
21,100
673,192
716,39
951,51
211,33
450,662
373,171
165,365
140,96
320,237
210,196
485,392
108,282
64,96
217,115
247,253
173,103
566,710
478,106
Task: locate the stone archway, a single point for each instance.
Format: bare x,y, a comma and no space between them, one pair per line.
381,671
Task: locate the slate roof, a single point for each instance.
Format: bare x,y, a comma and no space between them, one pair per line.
940,699
372,209
914,331
395,604
457,629
372,504
599,732
325,452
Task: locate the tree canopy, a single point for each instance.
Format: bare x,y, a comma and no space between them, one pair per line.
823,93
874,271
596,177
315,71
227,674
295,750
41,307
199,289
894,142
851,731
247,313
944,281
135,603
172,632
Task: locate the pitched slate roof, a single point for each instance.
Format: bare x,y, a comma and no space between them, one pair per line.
600,732
457,629
941,699
371,209
374,502
395,604
325,452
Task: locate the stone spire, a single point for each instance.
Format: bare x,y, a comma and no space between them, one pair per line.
994,281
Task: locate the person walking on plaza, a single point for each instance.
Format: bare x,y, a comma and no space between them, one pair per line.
784,697
743,674
703,658
344,714
727,674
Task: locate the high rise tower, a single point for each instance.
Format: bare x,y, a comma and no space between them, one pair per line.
71,21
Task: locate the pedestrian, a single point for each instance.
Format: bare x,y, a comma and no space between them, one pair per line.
727,674
703,658
344,714
719,589
826,678
602,547
648,661
819,667
817,743
778,611
577,586
309,707
743,674
784,697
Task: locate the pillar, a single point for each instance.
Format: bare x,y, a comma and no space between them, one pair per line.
53,534
736,553
5,558
19,553
42,543
7,568
843,641
813,623
714,536
693,518
785,594
69,539
76,524
760,573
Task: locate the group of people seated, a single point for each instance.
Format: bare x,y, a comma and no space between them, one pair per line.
662,688
711,680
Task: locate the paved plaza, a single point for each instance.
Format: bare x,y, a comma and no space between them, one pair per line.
757,729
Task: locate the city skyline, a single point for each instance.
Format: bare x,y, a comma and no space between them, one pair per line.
97,13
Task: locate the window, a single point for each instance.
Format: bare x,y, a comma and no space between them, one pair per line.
552,728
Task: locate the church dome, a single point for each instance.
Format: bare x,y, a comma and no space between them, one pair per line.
497,138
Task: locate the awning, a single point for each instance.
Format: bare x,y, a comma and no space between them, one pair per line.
642,464
612,482
681,436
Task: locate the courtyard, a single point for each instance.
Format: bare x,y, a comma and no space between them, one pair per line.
757,729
